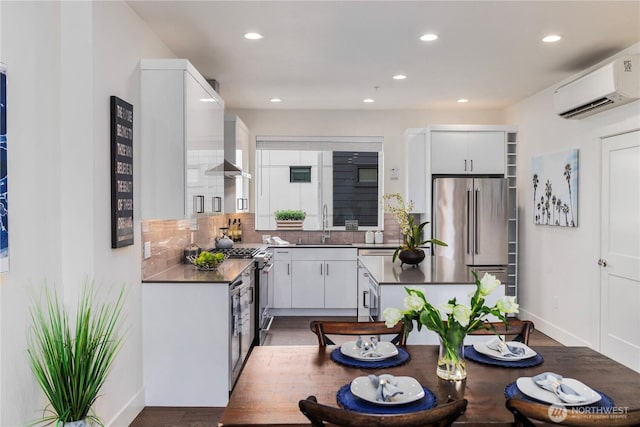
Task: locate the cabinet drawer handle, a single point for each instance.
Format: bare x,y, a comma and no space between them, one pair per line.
327,269
217,204
465,165
471,165
321,269
364,299
198,204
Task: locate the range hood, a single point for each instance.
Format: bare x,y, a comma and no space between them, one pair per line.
231,170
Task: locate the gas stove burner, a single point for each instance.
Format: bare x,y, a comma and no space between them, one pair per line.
247,253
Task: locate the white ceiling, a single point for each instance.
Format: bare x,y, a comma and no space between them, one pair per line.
333,54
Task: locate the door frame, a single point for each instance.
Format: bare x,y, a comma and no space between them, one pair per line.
624,126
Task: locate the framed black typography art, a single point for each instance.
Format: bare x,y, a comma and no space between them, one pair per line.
121,173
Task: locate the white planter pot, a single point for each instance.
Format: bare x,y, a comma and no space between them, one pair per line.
80,423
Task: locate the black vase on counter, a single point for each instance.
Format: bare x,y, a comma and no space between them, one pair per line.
411,257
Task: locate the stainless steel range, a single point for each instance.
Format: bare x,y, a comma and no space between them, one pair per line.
237,253
263,284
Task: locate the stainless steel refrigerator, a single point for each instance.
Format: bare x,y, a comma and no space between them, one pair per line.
471,216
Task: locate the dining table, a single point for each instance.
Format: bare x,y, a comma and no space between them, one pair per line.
275,378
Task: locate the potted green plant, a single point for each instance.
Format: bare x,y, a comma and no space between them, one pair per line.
71,361
409,252
290,219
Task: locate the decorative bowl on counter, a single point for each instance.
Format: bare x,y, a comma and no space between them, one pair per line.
207,261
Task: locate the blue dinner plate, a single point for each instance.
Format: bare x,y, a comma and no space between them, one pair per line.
402,358
512,390
472,354
348,400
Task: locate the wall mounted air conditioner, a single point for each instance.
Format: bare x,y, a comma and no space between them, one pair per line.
612,85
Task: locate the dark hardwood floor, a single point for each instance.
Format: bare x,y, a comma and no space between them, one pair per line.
284,331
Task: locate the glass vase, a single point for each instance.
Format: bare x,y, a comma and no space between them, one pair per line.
451,363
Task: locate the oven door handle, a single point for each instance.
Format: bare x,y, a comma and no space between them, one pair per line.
235,284
267,268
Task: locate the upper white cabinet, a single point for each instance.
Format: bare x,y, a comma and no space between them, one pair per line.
418,184
182,149
236,151
468,152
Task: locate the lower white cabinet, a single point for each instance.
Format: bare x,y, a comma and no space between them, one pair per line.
185,343
282,278
316,278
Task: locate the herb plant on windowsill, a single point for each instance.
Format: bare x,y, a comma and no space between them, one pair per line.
290,215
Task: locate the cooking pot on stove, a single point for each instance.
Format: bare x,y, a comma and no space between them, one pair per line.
224,242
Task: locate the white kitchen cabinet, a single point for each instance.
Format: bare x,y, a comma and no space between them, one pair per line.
468,152
236,148
281,278
418,184
185,342
182,147
324,278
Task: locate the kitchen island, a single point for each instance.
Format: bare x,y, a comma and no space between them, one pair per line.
440,278
433,270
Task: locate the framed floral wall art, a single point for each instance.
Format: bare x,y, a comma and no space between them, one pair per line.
555,189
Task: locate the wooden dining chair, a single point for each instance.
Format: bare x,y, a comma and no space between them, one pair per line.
524,412
332,327
439,416
520,330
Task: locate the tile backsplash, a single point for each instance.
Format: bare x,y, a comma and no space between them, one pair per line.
169,238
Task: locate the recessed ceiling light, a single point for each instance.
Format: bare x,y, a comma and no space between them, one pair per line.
463,100
399,77
253,36
275,100
551,38
429,37
368,100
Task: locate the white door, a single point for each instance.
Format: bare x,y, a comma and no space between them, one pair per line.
620,251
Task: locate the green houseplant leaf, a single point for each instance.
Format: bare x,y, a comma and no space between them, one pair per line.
71,362
290,215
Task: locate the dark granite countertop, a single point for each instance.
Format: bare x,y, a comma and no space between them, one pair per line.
433,270
227,272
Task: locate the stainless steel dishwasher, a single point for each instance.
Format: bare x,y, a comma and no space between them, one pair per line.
368,289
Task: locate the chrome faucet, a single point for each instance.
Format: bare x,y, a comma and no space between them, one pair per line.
325,223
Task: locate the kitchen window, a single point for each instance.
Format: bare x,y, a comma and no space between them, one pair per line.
306,173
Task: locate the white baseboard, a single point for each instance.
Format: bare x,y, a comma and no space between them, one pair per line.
129,412
556,332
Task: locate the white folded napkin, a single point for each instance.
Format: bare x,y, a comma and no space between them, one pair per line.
553,382
505,349
386,387
368,348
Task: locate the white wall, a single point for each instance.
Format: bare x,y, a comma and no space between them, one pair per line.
556,262
388,124
64,60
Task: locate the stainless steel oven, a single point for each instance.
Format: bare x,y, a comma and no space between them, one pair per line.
368,288
264,283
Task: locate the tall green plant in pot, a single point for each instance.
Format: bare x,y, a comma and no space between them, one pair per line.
71,361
